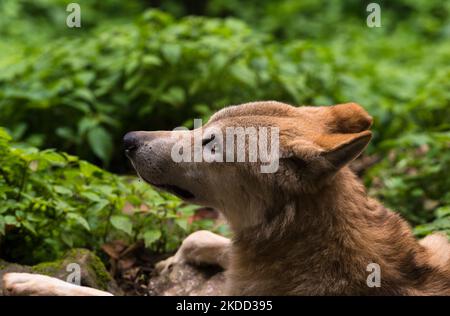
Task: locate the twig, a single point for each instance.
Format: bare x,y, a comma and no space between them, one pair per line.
3,173
22,183
105,234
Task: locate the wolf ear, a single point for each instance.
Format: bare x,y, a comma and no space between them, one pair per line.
340,149
347,118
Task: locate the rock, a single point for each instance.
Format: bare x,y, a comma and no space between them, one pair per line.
185,279
93,272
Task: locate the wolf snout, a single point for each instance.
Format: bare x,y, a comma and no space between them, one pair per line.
131,141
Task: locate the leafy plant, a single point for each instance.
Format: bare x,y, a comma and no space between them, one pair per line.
82,94
412,180
51,201
413,176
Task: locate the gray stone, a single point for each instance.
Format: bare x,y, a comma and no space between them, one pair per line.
93,272
185,279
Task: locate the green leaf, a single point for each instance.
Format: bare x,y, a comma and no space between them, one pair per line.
2,226
62,190
88,169
98,206
67,239
85,77
443,211
4,134
244,74
171,52
66,133
174,96
86,124
151,60
85,94
188,210
91,196
101,143
122,223
52,157
183,223
11,220
79,219
28,226
151,236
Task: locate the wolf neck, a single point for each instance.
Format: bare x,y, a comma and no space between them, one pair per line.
341,207
337,231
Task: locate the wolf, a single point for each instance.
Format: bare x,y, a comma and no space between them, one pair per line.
309,228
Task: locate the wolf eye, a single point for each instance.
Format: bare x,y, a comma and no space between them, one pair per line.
208,140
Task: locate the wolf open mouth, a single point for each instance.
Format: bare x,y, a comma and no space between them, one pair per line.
184,194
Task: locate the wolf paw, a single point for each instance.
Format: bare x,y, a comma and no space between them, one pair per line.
200,247
27,284
165,267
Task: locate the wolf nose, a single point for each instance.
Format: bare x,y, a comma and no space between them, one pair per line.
130,141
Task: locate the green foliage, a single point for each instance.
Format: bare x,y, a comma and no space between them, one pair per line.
322,19
413,178
82,94
51,201
49,16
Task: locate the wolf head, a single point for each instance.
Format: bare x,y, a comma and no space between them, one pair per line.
248,156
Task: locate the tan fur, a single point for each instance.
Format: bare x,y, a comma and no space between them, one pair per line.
309,228
326,248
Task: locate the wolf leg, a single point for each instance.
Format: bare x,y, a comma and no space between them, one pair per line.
42,285
439,249
201,247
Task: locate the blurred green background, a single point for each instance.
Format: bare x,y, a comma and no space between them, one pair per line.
158,64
